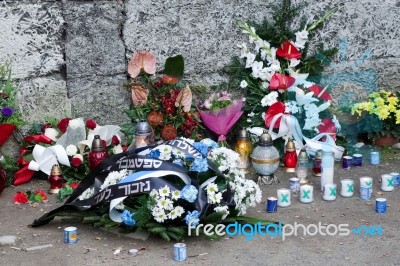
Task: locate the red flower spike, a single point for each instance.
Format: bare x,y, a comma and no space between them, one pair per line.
288,50
74,185
281,82
20,198
276,108
317,90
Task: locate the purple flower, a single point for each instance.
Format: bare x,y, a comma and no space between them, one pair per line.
7,111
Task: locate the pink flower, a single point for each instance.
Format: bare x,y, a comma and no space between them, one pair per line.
142,60
139,95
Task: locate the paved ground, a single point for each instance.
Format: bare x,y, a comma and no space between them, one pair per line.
97,247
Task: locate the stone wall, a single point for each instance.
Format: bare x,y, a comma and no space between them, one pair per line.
69,56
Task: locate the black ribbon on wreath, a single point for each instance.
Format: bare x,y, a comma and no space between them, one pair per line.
131,160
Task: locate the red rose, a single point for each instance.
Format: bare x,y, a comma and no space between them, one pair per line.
115,140
76,162
63,124
104,143
124,148
74,185
20,198
169,132
41,194
91,124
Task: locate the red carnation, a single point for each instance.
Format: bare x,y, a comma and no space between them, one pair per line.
91,124
63,124
20,198
169,132
124,148
40,194
74,185
76,162
115,140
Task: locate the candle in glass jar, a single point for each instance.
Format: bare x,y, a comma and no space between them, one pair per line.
327,164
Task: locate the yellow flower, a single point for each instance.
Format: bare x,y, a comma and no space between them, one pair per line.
391,108
383,113
393,100
379,101
398,117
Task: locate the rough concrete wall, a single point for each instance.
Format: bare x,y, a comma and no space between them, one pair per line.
70,56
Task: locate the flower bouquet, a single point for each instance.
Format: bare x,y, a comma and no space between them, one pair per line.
272,69
166,190
66,142
381,114
10,119
219,113
164,101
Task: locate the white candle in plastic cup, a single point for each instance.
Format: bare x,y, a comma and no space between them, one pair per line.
329,192
283,195
387,182
347,189
306,194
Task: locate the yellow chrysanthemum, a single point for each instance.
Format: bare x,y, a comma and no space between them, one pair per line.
379,101
383,113
393,100
398,117
392,108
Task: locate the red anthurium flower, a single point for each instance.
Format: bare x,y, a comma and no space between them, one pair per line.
320,93
288,50
276,108
281,82
20,198
327,126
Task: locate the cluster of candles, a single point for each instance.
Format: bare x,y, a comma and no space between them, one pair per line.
329,189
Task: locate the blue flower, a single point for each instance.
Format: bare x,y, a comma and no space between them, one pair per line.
154,154
192,218
210,143
201,147
189,193
199,165
7,111
127,218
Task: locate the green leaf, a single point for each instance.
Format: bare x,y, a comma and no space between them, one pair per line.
157,230
165,236
174,66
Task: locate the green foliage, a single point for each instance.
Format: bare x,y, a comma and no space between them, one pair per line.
7,96
174,66
64,192
10,166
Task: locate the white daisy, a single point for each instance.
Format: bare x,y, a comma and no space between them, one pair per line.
164,191
176,194
212,188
